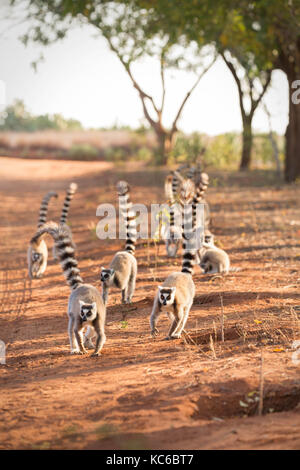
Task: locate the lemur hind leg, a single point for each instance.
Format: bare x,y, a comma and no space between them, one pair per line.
73,342
131,286
176,332
180,328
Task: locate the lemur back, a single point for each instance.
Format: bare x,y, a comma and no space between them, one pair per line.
122,270
213,259
37,253
85,306
176,294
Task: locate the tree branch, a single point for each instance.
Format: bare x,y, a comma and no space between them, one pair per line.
174,125
237,80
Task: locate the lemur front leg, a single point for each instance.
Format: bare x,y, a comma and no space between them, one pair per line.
79,337
101,337
124,295
104,293
154,317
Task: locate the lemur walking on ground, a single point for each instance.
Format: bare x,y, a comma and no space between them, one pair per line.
85,307
122,270
175,296
37,253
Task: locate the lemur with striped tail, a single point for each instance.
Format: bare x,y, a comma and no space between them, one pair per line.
37,253
213,259
65,212
85,307
122,270
176,295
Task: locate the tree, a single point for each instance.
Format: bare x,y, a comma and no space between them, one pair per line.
266,31
131,33
252,86
15,117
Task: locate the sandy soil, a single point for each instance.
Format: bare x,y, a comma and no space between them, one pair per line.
142,393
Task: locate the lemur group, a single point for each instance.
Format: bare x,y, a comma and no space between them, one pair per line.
184,189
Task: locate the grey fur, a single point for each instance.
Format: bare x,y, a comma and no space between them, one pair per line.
37,253
122,270
176,294
213,259
122,274
83,298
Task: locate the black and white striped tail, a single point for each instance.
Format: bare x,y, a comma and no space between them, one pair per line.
189,239
69,196
44,208
64,249
199,194
191,173
128,215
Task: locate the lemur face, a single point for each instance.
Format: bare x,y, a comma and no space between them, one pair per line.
206,267
106,274
172,247
36,262
166,295
88,312
122,188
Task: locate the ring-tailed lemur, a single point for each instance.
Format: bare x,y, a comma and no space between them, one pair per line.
123,267
213,259
37,254
65,211
176,294
85,307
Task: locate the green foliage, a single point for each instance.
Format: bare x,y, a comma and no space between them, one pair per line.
83,152
223,151
187,148
16,118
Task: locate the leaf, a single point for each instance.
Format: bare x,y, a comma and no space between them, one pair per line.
278,350
258,322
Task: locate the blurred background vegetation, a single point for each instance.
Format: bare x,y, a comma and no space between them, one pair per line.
36,136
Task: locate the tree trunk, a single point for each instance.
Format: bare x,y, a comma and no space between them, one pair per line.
292,145
292,135
166,141
247,144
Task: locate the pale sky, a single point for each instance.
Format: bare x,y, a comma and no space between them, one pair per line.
82,79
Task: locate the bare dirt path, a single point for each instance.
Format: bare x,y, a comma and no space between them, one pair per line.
193,393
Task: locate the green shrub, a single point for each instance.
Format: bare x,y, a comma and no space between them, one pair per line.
83,152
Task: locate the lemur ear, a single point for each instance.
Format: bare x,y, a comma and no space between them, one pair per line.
112,271
173,289
94,305
102,268
81,303
160,287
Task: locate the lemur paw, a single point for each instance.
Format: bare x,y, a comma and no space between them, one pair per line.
74,351
176,336
96,354
154,332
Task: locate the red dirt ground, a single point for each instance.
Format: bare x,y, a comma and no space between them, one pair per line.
142,393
